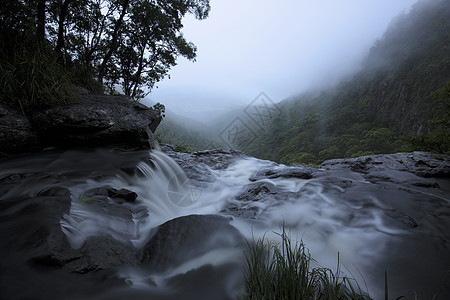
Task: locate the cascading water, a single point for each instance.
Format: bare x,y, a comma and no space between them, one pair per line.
332,213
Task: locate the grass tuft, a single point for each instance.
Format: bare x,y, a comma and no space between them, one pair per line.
283,271
34,80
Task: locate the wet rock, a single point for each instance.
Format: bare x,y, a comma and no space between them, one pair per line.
408,221
32,233
113,193
98,120
98,253
10,181
33,225
55,191
182,239
346,183
426,184
288,172
256,191
217,159
246,211
255,198
119,203
384,194
422,164
198,173
124,194
16,133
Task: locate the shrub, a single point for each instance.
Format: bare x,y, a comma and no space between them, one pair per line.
34,80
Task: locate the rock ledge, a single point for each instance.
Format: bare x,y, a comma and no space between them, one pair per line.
96,121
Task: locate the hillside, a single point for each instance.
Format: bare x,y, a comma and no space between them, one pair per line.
397,102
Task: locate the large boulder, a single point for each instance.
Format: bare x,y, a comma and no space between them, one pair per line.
95,121
98,121
16,132
185,238
37,260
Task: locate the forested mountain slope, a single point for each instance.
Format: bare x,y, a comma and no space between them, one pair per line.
407,65
399,101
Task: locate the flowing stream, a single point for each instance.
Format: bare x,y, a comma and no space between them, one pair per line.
343,215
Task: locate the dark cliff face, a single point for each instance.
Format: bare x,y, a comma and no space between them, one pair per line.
402,70
410,62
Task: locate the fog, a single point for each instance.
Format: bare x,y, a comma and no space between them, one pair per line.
281,48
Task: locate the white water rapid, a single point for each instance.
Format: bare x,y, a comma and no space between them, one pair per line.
333,214
322,222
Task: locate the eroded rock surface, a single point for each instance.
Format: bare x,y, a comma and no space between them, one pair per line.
16,133
185,238
96,121
402,197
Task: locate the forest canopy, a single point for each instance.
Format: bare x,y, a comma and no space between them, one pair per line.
93,43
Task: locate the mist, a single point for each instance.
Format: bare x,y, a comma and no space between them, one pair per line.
281,48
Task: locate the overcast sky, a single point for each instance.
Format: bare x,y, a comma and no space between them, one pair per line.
280,47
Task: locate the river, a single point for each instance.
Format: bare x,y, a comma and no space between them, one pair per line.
374,223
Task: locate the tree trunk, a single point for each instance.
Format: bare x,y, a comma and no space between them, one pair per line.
137,76
63,7
114,38
41,21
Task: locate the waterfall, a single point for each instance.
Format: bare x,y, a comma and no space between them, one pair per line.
372,224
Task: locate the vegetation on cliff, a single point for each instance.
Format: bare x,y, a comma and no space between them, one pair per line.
399,101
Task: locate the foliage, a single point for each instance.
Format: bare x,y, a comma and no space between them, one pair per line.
85,77
301,157
34,80
92,43
284,271
128,42
312,133
160,108
438,140
150,44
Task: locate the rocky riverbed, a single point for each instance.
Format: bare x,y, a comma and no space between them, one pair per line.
108,224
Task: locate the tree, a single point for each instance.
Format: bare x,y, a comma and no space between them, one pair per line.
149,46
40,20
132,43
16,21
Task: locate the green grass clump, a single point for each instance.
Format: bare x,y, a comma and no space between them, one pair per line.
275,271
33,79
